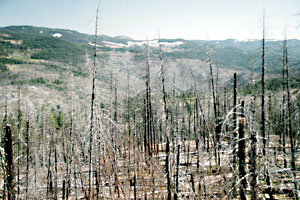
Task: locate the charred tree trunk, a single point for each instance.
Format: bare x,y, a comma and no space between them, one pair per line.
234,135
9,165
253,155
242,154
177,173
283,107
19,141
291,132
263,92
92,108
166,126
148,106
49,171
263,118
128,117
217,124
56,171
27,156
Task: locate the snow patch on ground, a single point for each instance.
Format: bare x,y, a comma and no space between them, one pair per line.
114,45
93,44
154,43
255,40
272,40
57,35
171,44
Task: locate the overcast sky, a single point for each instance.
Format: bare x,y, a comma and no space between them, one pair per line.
139,19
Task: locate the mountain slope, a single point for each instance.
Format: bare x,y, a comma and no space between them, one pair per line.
55,60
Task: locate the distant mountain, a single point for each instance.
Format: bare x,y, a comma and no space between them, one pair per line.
68,35
46,58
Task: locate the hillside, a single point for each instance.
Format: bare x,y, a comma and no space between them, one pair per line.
141,135
43,60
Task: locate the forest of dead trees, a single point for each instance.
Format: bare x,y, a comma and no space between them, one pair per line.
214,144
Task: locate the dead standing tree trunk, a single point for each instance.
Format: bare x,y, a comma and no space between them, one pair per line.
19,141
167,128
263,118
9,165
253,154
283,108
49,170
242,153
291,132
263,92
177,173
218,125
234,135
149,129
92,106
128,118
116,141
27,156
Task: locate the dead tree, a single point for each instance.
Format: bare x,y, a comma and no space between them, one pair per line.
27,156
234,135
290,127
253,154
149,128
49,170
242,154
217,124
43,136
177,173
92,106
263,118
263,92
56,170
166,125
115,159
9,165
283,107
128,116
19,140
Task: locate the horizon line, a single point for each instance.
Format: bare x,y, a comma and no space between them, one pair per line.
151,38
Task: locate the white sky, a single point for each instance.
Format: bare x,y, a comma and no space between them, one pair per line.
139,19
